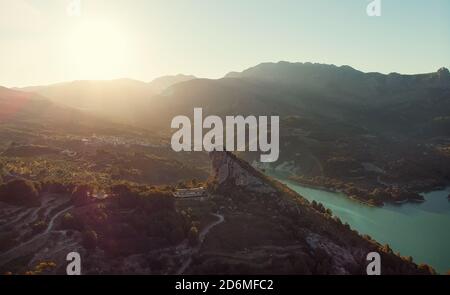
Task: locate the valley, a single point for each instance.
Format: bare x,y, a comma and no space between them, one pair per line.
77,176
247,224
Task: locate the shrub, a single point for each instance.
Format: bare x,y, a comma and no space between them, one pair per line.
386,248
56,187
90,239
82,195
158,201
70,222
125,195
20,192
193,236
45,267
427,269
39,226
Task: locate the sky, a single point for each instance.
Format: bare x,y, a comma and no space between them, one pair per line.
50,41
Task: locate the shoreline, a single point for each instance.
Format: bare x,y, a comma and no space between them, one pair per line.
363,201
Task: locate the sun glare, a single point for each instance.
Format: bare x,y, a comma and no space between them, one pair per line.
99,50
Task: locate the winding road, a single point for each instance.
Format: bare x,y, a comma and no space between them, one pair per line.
201,238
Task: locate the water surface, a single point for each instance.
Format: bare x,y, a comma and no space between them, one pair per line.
420,230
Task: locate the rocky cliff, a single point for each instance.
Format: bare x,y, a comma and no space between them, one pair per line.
228,169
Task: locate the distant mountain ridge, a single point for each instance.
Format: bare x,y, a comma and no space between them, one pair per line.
293,86
90,94
315,91
162,83
334,119
334,123
343,79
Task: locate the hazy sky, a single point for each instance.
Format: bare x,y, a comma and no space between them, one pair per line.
40,43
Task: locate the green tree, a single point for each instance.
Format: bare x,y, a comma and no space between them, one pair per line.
193,235
90,239
387,248
20,192
70,222
427,269
82,195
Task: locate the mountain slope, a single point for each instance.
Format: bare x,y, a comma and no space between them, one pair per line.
245,223
117,99
43,140
269,229
337,95
39,114
122,99
334,121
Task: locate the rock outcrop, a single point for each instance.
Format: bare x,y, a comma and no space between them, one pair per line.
228,169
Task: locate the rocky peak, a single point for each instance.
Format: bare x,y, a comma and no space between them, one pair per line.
229,169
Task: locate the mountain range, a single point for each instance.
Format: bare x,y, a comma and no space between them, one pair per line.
96,153
305,89
335,121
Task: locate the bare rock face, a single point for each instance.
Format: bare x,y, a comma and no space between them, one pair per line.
228,169
342,258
